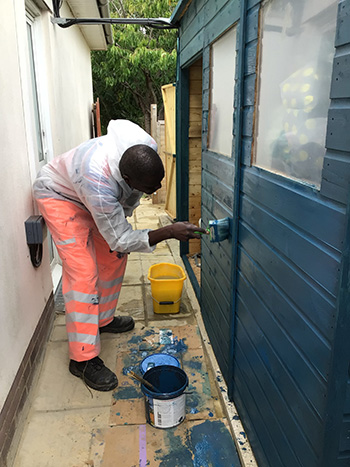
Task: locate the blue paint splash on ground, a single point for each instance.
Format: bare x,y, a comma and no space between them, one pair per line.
194,365
212,445
208,444
135,340
129,392
178,454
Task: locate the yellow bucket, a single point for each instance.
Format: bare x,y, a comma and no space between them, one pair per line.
166,286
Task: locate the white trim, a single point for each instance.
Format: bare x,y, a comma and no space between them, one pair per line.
56,273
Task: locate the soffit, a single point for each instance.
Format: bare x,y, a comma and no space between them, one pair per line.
94,34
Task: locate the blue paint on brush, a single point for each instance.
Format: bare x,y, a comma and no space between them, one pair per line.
219,229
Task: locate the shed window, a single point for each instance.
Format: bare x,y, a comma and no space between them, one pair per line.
297,48
222,80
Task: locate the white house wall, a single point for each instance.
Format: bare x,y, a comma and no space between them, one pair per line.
70,80
66,92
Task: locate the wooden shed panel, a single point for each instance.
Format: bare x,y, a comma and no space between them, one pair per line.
335,176
223,20
281,347
188,34
343,27
313,258
250,411
340,87
218,272
293,321
219,166
338,129
217,292
318,306
192,48
279,196
216,323
281,425
216,188
250,59
193,11
345,436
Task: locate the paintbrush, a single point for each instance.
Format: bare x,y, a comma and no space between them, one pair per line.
143,381
218,230
207,232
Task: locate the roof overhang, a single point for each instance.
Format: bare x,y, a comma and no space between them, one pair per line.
97,36
179,11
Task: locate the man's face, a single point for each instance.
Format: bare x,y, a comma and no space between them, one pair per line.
147,186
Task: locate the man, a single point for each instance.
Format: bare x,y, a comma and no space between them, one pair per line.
84,196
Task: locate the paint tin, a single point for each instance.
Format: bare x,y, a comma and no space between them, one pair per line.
166,408
158,359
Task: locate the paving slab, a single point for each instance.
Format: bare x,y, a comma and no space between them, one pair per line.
133,273
131,302
60,438
57,389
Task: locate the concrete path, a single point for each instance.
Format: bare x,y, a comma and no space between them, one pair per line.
70,425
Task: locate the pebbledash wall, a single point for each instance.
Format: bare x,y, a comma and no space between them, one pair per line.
275,294
46,98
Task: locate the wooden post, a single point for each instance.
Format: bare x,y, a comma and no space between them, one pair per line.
154,121
154,134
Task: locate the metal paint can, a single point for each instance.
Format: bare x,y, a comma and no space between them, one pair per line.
165,408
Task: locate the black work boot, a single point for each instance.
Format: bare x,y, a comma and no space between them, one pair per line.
119,324
94,373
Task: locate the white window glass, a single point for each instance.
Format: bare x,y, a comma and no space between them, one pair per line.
297,48
34,95
222,81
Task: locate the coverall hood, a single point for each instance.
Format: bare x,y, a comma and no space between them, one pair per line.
123,135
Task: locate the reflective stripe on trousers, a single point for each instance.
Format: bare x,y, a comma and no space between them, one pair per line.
92,276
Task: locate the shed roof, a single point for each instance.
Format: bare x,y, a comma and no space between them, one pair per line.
179,11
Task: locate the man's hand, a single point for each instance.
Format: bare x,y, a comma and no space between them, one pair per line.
182,231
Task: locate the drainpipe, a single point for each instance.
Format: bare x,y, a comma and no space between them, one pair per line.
103,6
237,183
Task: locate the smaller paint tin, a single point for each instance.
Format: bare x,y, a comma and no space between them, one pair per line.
158,359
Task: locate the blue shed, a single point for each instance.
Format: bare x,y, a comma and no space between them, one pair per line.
263,137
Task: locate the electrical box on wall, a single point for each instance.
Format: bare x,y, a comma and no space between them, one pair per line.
35,230
35,234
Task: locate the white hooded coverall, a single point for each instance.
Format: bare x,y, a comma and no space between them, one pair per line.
84,201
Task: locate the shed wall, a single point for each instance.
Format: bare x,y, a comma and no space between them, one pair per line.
289,261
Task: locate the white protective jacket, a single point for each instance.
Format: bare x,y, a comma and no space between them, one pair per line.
89,176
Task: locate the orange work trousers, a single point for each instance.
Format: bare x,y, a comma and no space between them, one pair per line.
92,275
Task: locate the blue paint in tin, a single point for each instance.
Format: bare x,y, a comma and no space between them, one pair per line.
158,359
